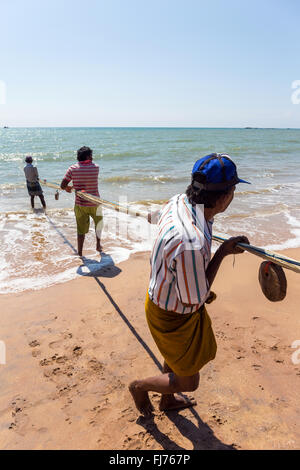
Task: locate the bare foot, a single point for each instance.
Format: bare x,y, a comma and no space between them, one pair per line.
99,248
141,399
170,402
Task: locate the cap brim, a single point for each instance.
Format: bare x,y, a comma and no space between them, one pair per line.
243,181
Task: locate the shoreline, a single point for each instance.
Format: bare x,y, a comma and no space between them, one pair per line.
73,348
93,265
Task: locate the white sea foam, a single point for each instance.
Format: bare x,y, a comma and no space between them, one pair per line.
293,242
38,250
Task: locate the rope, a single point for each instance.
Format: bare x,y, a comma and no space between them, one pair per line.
276,258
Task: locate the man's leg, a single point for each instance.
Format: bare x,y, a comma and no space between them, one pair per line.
32,201
170,401
80,241
83,224
98,244
43,201
167,383
98,221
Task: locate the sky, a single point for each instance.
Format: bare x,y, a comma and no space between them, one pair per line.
191,63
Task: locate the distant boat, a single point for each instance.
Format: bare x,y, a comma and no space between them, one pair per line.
5,127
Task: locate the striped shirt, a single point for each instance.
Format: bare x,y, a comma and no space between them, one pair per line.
180,257
84,176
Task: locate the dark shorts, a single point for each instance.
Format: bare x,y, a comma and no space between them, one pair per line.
34,189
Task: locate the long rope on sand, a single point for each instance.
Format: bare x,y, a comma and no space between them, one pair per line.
284,261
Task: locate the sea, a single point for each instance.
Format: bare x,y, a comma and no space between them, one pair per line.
142,167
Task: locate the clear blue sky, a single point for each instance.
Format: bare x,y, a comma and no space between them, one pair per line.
150,63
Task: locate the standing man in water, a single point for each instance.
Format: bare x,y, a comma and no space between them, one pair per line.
32,180
84,175
182,273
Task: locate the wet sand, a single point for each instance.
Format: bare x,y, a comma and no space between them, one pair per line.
73,348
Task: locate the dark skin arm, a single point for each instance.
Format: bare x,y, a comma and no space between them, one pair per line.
227,248
64,185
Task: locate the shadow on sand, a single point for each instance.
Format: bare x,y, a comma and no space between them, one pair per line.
201,435
38,210
103,268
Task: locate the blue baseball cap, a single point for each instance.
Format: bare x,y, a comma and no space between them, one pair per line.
219,171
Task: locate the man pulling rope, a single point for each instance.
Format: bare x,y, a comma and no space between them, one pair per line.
182,275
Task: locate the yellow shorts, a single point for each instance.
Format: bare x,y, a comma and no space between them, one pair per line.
83,214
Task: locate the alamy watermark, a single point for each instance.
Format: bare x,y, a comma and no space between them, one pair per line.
2,92
192,238
2,353
296,354
295,97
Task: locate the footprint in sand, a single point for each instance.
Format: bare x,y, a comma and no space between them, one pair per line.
20,419
59,342
98,411
137,441
55,344
129,414
96,365
69,366
77,351
219,420
36,353
42,430
239,350
34,343
254,350
220,335
45,362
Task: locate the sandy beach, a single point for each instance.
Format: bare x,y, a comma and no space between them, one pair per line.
110,112
73,348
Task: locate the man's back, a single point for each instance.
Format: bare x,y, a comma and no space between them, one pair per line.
180,256
31,173
85,177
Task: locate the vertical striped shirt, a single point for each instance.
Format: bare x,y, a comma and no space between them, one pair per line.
84,176
180,256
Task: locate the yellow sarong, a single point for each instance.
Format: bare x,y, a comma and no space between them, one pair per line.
186,341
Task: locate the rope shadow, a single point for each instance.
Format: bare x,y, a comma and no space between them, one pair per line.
66,241
102,286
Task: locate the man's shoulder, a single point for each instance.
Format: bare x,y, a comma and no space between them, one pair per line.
169,204
94,166
74,165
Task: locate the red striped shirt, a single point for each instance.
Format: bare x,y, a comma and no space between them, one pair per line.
84,176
